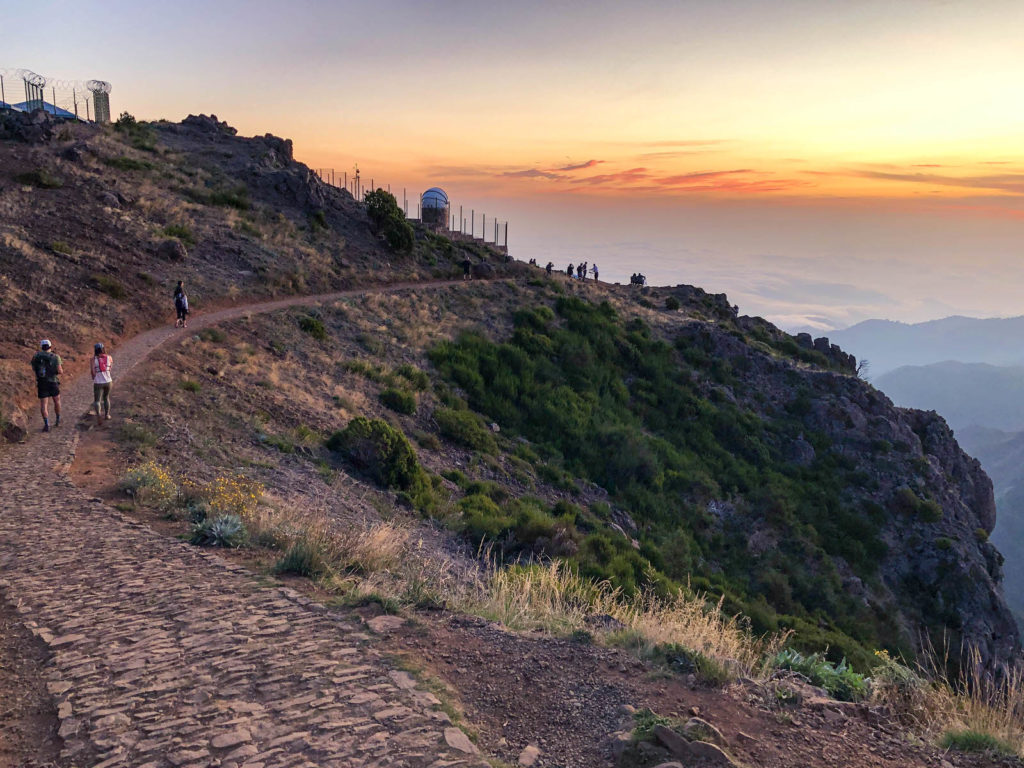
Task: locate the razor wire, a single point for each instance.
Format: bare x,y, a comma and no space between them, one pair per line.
27,90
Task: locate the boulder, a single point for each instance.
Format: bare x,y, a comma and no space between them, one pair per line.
208,124
110,200
15,426
172,250
483,270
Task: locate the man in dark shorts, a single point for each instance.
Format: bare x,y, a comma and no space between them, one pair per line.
47,366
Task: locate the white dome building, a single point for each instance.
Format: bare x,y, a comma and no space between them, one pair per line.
435,208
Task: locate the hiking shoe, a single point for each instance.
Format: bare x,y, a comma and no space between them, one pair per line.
56,423
46,427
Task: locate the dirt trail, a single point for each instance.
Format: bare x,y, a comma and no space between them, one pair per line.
166,655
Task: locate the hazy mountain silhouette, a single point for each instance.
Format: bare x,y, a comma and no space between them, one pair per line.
888,344
965,394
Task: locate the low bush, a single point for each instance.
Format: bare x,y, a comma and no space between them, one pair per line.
111,286
399,401
181,231
128,164
968,740
59,246
417,379
672,303
41,178
466,429
385,455
191,385
314,326
150,485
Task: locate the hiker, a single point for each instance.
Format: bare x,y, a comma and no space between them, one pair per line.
101,381
594,270
549,267
466,264
569,270
48,368
579,271
181,306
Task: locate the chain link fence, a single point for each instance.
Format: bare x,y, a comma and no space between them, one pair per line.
466,225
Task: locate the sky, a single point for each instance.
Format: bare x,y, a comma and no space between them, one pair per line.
819,162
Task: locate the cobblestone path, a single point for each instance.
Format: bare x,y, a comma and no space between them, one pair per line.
167,655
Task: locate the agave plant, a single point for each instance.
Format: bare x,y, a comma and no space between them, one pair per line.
223,531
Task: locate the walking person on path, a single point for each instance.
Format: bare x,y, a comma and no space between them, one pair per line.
181,306
48,368
101,382
466,264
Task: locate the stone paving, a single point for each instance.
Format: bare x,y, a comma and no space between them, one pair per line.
166,655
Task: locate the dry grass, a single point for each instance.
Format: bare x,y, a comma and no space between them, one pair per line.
554,598
934,704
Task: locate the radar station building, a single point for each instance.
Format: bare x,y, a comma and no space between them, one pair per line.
434,208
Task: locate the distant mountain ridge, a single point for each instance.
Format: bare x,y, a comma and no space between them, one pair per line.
888,344
966,394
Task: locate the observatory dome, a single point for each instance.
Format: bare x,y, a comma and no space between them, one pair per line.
435,197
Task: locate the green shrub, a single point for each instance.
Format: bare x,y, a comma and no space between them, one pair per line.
191,385
975,741
399,401
382,452
41,178
981,535
466,429
128,164
314,326
838,679
222,531
389,220
929,511
213,335
111,286
59,246
417,379
672,303
181,231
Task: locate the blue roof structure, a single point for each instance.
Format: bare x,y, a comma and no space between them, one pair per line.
435,197
47,106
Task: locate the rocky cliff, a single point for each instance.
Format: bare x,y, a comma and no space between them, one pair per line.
928,506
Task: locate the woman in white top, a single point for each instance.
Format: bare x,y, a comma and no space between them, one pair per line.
101,382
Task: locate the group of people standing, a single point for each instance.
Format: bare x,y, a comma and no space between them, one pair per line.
48,368
581,270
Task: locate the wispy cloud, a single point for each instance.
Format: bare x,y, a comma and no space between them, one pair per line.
622,177
1004,182
533,173
580,166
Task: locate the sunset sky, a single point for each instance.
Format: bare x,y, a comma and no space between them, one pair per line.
820,162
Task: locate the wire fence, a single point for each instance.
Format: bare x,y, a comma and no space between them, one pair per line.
468,225
25,91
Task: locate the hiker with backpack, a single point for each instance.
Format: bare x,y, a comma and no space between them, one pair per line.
47,366
101,382
181,306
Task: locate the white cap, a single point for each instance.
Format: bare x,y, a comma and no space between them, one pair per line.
44,343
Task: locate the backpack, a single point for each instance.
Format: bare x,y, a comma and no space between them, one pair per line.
45,365
101,363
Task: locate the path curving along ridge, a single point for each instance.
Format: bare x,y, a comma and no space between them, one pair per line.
166,655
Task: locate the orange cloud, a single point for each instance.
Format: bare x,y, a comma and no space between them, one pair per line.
622,177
